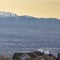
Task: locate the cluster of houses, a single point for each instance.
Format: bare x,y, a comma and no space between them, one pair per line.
37,55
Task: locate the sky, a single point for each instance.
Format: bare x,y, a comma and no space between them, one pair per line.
36,8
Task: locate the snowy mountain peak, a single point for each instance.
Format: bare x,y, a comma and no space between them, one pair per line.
7,14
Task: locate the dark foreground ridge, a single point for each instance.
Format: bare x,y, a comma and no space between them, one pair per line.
31,56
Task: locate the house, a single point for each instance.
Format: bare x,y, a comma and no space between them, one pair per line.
26,56
45,57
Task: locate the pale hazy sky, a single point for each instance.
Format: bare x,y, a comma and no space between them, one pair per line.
38,8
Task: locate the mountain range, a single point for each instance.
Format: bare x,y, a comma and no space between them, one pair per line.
17,32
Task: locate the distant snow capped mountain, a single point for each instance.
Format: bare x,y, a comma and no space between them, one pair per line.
27,17
7,14
18,32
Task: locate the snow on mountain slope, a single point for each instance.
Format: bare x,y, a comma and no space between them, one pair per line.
7,14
